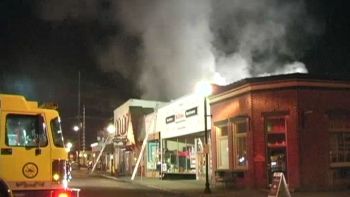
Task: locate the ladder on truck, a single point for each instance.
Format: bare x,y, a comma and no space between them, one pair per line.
145,142
108,140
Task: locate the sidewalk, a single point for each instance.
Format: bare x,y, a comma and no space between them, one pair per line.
188,187
196,188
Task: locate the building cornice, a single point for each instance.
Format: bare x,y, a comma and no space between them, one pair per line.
278,84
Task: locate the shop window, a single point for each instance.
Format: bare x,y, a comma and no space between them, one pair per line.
222,147
240,143
178,154
152,155
339,128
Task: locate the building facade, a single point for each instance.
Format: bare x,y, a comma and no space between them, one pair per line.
297,124
178,130
130,133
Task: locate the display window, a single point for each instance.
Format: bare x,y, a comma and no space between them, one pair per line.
180,153
152,155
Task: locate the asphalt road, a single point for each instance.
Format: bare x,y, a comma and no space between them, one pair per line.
96,186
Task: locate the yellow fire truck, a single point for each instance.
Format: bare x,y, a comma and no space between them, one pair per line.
33,158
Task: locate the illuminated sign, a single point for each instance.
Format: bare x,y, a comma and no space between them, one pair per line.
191,112
170,119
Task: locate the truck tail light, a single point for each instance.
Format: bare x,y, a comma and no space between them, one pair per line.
61,193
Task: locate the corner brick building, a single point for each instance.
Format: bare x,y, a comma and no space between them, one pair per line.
298,124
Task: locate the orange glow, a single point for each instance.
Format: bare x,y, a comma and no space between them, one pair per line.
62,194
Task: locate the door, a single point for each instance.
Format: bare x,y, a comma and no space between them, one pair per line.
276,146
27,141
276,161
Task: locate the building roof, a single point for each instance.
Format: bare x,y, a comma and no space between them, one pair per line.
279,81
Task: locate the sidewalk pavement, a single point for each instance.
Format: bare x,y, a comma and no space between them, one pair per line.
196,188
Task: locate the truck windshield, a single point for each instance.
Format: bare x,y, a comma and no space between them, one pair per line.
25,130
57,132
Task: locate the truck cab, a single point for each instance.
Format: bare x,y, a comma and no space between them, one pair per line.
33,158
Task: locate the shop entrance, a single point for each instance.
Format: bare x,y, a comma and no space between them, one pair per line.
276,146
276,162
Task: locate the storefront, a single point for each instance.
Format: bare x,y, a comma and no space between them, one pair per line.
297,124
181,127
130,133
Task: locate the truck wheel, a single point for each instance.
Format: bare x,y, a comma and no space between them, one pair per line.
4,189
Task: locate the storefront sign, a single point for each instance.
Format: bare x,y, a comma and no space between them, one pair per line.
179,117
183,117
191,112
170,119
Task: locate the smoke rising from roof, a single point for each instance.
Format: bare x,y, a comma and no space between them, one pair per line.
181,42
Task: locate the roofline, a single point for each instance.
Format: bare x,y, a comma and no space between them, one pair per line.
278,82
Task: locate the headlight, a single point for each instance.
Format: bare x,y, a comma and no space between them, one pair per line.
58,170
56,177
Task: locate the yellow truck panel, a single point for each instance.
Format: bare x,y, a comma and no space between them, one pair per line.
32,155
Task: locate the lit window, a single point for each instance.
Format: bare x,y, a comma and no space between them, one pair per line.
240,143
222,147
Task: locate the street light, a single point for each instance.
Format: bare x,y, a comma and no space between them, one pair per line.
68,146
204,89
111,128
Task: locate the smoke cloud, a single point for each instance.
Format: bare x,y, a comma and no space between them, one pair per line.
184,41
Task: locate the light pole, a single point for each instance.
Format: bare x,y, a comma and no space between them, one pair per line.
77,129
204,89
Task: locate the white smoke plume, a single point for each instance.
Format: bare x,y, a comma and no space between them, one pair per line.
184,41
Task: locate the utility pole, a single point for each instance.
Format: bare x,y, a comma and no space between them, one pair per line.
79,122
83,129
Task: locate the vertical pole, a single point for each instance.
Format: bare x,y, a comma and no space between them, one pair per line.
78,117
83,128
207,188
161,155
83,137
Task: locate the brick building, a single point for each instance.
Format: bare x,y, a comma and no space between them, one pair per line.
298,124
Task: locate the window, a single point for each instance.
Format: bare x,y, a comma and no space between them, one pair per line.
179,154
25,131
57,132
152,156
240,143
339,128
222,147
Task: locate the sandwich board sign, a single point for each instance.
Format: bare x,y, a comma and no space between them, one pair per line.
279,186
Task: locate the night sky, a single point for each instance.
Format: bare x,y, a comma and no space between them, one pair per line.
158,49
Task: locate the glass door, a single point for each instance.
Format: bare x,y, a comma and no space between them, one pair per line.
276,146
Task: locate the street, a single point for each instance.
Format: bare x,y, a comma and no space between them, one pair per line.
96,186
107,186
